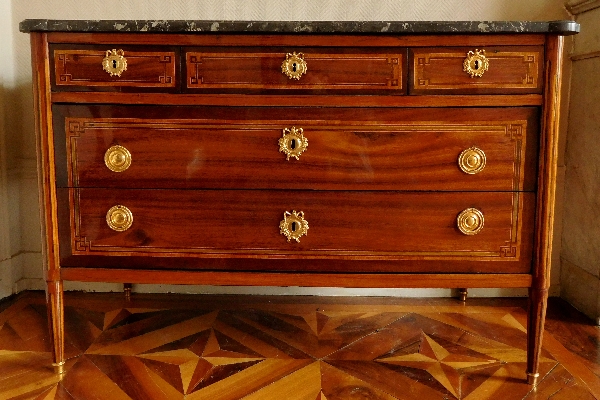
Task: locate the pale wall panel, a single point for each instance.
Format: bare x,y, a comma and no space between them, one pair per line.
10,138
589,39
580,270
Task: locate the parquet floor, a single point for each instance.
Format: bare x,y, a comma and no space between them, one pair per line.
289,348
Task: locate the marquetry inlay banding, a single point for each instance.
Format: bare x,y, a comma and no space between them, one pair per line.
443,69
246,71
78,128
144,69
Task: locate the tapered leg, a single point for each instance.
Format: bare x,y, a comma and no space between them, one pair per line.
538,300
54,302
463,293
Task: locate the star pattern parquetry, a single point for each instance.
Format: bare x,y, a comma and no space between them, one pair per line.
202,359
144,350
444,365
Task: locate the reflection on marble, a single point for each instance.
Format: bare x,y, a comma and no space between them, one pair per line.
564,27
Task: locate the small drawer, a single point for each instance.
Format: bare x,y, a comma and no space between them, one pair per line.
350,69
114,67
456,70
257,224
492,149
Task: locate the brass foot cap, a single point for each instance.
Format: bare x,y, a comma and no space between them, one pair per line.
532,378
59,368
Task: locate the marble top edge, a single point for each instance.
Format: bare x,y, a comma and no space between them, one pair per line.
323,27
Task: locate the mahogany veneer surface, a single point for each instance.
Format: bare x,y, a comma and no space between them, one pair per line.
411,168
207,222
77,68
349,148
515,70
235,68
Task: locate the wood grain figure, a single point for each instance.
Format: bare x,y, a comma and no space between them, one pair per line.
155,346
269,157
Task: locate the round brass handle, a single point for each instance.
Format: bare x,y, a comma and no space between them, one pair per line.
293,225
294,65
472,160
470,221
114,63
293,142
119,218
117,158
476,63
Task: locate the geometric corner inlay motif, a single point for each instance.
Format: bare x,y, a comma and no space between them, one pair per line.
82,244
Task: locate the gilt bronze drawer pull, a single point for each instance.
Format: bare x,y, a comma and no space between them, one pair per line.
117,158
114,63
472,160
293,142
294,65
476,63
293,225
119,218
470,221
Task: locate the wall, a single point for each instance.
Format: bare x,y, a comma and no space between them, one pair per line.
580,252
10,244
22,135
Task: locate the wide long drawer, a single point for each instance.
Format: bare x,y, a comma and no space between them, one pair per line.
358,149
329,224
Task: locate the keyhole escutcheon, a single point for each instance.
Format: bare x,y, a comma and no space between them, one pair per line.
476,63
114,63
294,65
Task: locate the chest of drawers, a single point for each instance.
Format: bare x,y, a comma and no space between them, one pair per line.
341,156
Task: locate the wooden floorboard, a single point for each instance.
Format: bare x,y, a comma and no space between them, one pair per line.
293,348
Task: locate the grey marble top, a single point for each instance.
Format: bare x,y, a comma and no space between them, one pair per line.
323,27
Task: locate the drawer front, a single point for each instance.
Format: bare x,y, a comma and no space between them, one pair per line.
114,66
341,225
406,153
443,70
357,69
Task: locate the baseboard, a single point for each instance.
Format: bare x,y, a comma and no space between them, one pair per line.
38,284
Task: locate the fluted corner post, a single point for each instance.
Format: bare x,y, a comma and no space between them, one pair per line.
56,318
546,189
47,195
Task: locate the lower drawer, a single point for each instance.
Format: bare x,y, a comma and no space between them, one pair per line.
245,224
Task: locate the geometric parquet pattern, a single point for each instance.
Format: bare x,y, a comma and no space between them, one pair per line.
261,348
